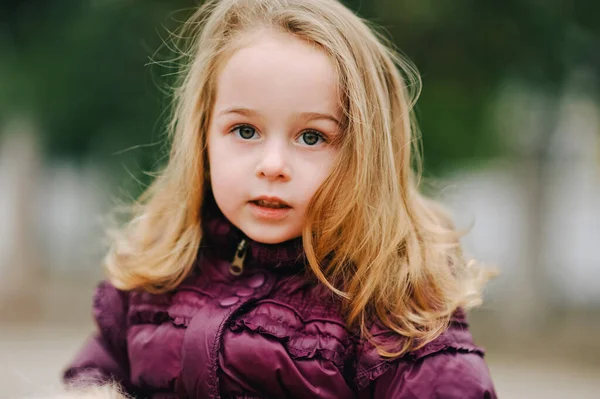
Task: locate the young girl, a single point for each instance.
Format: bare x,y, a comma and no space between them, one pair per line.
285,251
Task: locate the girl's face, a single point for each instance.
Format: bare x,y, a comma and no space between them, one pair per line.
270,141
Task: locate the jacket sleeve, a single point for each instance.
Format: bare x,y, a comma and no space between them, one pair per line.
444,375
104,358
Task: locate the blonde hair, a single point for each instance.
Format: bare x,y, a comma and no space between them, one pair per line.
370,236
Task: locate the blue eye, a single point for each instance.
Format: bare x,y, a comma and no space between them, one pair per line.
312,137
244,132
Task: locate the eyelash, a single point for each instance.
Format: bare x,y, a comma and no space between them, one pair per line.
312,131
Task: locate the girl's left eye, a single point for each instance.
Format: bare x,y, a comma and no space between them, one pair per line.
312,138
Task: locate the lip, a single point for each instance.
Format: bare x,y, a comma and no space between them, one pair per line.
269,214
271,199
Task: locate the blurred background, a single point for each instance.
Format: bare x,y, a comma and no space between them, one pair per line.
510,119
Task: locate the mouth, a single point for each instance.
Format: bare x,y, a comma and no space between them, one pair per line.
270,202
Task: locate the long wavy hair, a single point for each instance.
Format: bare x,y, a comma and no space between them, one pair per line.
390,253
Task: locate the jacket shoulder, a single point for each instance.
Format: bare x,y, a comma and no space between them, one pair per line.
109,309
446,374
104,356
454,349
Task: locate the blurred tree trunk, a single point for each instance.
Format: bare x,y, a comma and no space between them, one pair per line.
19,268
532,304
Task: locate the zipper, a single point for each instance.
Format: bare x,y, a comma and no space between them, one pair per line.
237,264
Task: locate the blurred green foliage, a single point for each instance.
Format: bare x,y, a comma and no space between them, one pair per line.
80,68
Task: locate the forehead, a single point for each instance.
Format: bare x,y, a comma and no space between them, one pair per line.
278,71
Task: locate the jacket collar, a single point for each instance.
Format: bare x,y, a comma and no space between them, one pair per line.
221,239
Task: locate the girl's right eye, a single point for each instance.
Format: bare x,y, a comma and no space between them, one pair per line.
244,132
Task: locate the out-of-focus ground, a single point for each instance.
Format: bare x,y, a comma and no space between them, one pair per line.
35,348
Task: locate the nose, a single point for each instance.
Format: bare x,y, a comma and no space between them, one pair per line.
274,163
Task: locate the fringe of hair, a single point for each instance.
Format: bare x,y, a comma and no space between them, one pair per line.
100,391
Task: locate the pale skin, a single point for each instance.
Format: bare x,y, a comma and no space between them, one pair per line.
274,122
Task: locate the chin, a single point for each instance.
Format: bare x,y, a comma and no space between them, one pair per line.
263,236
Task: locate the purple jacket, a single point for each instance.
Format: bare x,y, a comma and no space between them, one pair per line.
270,332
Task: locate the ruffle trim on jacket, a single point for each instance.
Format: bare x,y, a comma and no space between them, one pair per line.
157,316
298,342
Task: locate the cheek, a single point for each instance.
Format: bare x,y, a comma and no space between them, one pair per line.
221,165
316,172
215,151
219,155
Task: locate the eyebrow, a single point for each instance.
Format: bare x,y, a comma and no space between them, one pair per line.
311,116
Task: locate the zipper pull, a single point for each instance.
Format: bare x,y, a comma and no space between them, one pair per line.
237,264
